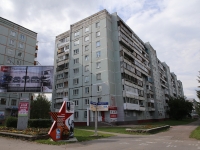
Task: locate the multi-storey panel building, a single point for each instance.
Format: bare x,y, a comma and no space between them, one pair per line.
107,62
17,47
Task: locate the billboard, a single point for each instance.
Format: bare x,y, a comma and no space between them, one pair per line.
26,79
23,109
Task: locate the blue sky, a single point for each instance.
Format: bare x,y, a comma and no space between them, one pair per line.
171,26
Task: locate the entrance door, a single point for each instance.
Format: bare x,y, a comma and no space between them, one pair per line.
103,115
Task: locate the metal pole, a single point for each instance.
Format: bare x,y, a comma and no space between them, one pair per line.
96,122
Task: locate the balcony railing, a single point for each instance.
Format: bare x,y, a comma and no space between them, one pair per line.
130,106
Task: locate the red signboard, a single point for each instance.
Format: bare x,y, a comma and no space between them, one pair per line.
59,129
23,109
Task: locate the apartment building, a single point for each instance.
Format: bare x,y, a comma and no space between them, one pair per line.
17,47
101,59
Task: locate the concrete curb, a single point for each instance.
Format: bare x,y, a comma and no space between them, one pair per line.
153,130
24,136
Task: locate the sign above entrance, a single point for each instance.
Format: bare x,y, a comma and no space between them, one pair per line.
100,106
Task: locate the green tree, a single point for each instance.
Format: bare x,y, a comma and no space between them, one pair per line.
40,107
197,107
179,108
198,91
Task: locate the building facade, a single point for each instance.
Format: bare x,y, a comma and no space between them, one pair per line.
17,47
101,59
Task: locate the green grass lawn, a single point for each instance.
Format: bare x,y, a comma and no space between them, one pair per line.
81,136
173,122
196,133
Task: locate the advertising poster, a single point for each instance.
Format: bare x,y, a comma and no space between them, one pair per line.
26,79
113,114
70,121
23,109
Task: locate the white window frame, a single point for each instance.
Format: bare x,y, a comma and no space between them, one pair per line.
76,51
76,42
87,90
97,24
12,33
22,37
99,99
75,81
75,91
86,68
18,62
76,60
87,101
21,45
76,33
86,29
86,38
12,42
99,88
76,70
10,51
98,65
75,102
86,47
98,54
98,43
98,34
85,114
86,57
76,114
98,76
86,79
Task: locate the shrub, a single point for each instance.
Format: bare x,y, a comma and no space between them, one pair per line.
11,122
39,123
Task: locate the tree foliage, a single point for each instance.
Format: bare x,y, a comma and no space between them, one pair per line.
198,91
179,108
40,108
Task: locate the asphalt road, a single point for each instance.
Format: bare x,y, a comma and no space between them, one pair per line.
177,138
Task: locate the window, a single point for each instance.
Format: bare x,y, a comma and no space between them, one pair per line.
75,92
76,60
76,114
86,29
76,102
18,62
87,90
10,51
86,38
87,68
86,47
22,37
60,85
62,40
3,101
98,64
19,54
86,79
98,34
99,88
75,81
98,44
85,114
11,42
97,25
76,51
76,42
76,33
60,76
76,70
21,45
12,33
86,57
99,99
98,76
87,102
98,54
13,102
9,60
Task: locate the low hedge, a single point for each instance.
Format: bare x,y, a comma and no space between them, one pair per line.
11,122
39,123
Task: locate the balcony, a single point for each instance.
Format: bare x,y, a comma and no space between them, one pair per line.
130,106
36,47
62,43
166,92
151,109
141,108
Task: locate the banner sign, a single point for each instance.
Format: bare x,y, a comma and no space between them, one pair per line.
26,79
113,114
100,106
23,109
